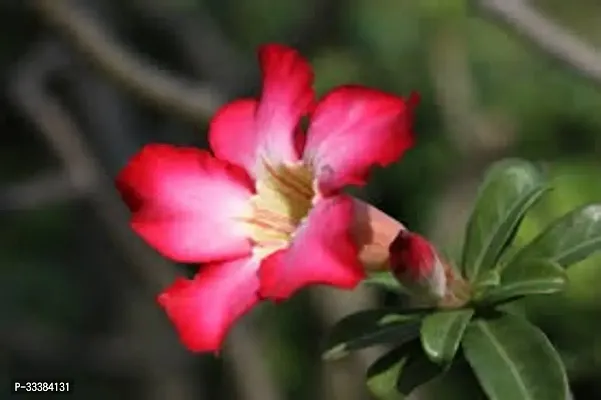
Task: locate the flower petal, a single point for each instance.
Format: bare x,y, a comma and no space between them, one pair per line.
232,133
354,128
185,203
204,309
245,130
287,96
322,252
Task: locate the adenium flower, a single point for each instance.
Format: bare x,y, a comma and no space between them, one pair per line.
265,214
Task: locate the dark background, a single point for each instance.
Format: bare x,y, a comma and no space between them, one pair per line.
86,83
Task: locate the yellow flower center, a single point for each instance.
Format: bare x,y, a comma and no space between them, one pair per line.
283,199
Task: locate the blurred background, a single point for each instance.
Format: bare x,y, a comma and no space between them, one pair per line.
86,83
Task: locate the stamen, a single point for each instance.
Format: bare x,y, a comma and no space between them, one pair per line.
266,219
292,181
283,199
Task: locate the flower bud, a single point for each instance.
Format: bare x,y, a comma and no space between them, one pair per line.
416,265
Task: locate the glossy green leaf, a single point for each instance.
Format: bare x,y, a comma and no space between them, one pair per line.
568,240
527,278
442,332
510,188
488,281
397,373
513,359
384,280
369,328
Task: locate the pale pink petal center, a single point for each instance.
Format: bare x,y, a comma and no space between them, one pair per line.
186,203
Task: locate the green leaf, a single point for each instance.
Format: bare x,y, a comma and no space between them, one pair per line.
417,371
383,374
568,240
371,327
510,188
488,280
397,373
526,278
442,332
384,280
513,359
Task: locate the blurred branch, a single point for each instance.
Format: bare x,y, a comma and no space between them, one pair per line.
478,137
210,52
81,166
203,44
199,36
158,86
108,117
546,35
470,130
39,191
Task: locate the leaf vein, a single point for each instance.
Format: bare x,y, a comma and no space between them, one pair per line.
576,249
503,354
485,249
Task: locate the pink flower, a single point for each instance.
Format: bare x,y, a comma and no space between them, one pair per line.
266,214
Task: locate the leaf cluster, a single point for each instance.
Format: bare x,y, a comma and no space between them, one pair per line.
511,357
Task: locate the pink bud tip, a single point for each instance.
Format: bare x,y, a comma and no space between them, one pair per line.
415,263
411,254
